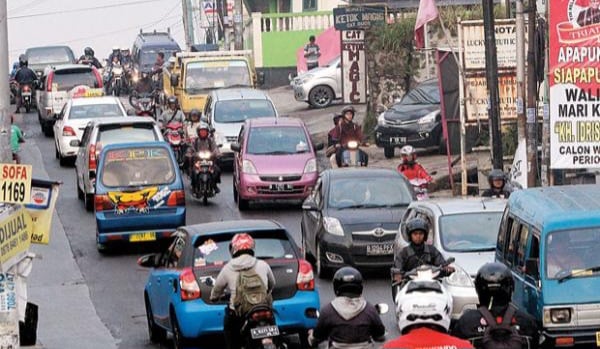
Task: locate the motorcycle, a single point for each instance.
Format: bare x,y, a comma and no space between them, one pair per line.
421,188
115,83
26,96
174,136
203,172
143,104
352,156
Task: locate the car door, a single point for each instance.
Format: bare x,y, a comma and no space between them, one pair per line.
58,126
237,159
81,158
312,219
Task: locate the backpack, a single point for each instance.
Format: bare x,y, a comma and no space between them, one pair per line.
500,335
250,291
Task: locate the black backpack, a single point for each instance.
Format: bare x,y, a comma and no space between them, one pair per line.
501,335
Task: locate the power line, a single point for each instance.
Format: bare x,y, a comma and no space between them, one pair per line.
84,9
19,8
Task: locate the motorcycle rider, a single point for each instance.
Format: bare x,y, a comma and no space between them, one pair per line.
159,63
348,131
191,125
497,181
495,285
24,76
88,58
349,321
144,85
114,56
204,141
409,166
242,253
172,113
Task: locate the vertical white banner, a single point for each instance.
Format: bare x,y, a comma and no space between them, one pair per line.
354,67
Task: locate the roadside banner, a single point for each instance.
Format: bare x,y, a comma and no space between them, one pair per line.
15,238
15,183
43,199
9,321
574,76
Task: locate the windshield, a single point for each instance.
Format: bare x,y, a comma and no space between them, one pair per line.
422,94
49,55
366,192
201,76
470,232
148,57
94,111
215,250
571,251
277,140
142,132
67,79
242,109
137,166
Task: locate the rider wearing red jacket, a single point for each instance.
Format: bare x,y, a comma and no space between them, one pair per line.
409,167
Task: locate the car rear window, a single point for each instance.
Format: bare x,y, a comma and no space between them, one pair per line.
49,55
90,111
140,132
243,109
137,166
69,78
214,250
277,140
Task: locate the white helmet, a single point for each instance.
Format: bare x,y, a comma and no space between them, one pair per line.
407,150
424,307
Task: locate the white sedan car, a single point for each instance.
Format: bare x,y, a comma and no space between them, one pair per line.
73,118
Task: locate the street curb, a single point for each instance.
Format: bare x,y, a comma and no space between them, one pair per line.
67,317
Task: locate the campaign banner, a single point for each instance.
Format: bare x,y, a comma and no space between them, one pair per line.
15,238
43,199
574,76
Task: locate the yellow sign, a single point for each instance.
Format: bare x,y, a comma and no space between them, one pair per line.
43,199
15,183
15,232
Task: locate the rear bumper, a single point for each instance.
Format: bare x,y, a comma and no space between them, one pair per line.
253,188
585,337
113,227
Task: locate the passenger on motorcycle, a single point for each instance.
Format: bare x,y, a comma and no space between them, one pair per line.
125,55
24,76
497,181
495,285
172,113
242,253
144,85
205,142
333,137
114,57
191,125
424,325
409,166
88,58
348,131
349,321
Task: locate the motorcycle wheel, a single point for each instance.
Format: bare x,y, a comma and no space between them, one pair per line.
28,108
205,200
117,89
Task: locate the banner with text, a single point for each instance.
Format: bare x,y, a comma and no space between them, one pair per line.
473,38
15,233
476,101
43,199
354,67
574,85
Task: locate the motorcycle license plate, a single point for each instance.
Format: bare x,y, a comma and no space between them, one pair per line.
380,249
280,187
206,163
26,94
264,332
397,140
148,236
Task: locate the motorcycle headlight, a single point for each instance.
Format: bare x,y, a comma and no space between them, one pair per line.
333,226
459,278
381,120
204,155
311,166
248,167
428,119
352,144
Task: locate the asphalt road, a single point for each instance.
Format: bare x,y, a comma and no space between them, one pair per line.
116,282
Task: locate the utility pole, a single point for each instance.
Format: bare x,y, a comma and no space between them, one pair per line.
238,25
491,74
5,151
186,23
520,32
547,178
532,163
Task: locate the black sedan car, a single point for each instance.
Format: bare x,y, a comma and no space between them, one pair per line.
415,120
352,218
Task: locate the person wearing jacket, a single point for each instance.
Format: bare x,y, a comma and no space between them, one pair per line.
348,131
172,113
497,181
88,58
242,253
205,141
24,76
349,321
409,166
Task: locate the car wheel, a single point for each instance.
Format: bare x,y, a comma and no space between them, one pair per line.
243,204
307,255
388,152
321,270
56,153
235,194
320,96
63,160
47,129
443,150
88,202
179,341
79,191
156,333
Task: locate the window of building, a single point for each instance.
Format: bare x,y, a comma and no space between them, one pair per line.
309,5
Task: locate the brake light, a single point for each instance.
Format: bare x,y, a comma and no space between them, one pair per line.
26,88
306,279
103,203
176,198
98,77
92,157
49,81
68,131
189,288
262,315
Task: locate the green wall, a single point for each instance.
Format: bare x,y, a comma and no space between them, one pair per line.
279,48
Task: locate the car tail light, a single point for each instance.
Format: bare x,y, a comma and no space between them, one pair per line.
49,81
26,89
177,198
262,315
68,131
189,288
98,77
306,279
103,203
92,157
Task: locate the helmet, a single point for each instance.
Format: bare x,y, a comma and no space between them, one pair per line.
116,49
172,60
88,51
195,113
347,282
409,153
23,60
348,108
494,283
417,223
172,100
495,174
241,242
203,130
418,310
336,117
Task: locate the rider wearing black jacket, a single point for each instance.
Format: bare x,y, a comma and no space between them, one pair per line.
24,76
88,58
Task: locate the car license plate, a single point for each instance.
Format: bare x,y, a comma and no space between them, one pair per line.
380,249
264,332
397,140
280,187
148,236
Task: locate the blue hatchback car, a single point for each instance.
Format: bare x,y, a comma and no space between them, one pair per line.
177,294
139,193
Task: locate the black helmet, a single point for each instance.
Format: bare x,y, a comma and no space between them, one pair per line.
495,174
172,100
23,60
336,117
414,224
347,282
195,112
88,51
203,130
494,283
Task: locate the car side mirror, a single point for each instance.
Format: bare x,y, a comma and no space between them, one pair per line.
148,261
310,205
236,147
174,80
318,146
531,266
261,78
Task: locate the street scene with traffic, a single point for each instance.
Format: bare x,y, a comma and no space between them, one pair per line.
304,175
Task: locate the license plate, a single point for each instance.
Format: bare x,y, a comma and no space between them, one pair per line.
264,332
397,139
598,339
380,249
148,236
26,94
280,187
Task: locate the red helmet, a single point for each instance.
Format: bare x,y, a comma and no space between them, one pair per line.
241,242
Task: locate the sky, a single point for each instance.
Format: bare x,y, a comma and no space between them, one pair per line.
80,23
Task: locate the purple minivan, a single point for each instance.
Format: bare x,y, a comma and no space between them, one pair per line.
274,159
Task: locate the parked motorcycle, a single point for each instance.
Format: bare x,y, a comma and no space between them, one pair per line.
203,172
143,104
26,96
115,80
174,136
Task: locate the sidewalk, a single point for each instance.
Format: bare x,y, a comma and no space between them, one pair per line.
67,318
